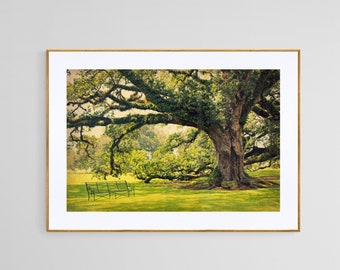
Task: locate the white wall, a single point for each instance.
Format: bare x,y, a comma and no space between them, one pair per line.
28,28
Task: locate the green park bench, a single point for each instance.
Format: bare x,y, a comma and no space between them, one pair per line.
108,189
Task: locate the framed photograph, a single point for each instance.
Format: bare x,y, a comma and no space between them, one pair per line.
173,140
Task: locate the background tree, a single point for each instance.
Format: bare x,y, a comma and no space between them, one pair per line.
217,102
183,156
103,157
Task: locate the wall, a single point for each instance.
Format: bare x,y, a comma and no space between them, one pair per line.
28,28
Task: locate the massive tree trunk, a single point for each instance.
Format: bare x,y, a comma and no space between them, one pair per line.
229,145
230,156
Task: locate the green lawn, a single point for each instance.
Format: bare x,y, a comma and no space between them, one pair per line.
161,195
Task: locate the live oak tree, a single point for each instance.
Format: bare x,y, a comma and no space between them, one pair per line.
217,102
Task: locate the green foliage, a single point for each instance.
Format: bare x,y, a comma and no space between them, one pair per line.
148,154
261,138
182,156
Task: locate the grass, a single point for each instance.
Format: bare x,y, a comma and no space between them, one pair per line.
162,196
267,172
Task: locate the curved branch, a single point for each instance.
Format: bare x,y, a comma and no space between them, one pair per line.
256,151
116,142
272,111
259,111
259,159
82,139
89,121
125,105
148,119
258,154
154,96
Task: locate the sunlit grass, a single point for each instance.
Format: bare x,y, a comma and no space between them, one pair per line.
267,172
163,195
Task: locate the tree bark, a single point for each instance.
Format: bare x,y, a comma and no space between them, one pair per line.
229,145
230,157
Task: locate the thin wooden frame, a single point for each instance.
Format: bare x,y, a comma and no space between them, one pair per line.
59,220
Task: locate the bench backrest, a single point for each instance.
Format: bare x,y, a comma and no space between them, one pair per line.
122,185
97,187
117,185
101,187
107,186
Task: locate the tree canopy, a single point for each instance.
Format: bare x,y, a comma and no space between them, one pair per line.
237,111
